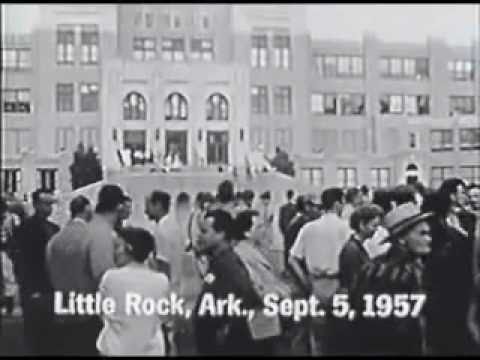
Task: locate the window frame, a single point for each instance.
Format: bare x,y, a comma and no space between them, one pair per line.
61,98
444,145
217,110
133,110
84,100
17,103
260,100
181,111
282,100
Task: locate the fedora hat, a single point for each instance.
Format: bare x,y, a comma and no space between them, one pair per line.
404,217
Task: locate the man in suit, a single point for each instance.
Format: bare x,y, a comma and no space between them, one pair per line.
67,263
286,214
35,287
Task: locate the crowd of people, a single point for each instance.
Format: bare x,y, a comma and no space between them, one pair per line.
358,242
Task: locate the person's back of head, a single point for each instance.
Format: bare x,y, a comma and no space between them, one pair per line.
79,207
290,194
332,196
225,192
222,222
364,190
161,197
110,199
266,196
351,194
403,194
448,188
383,198
139,243
183,198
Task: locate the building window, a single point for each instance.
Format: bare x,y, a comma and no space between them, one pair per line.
470,173
205,20
317,106
439,174
64,139
11,180
281,51
283,138
347,177
89,136
324,104
176,107
339,66
259,51
259,99
462,105
173,49
380,177
175,21
65,97
282,100
217,107
202,49
470,139
15,141
417,104
257,139
134,107
89,44
137,19
408,68
16,101
144,48
313,176
352,104
89,97
16,59
461,70
148,20
441,140
46,179
391,104
65,44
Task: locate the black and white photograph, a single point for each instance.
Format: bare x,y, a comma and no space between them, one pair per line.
240,179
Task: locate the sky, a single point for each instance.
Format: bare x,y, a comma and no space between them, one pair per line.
456,23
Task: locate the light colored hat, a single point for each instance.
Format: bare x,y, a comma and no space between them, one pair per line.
404,217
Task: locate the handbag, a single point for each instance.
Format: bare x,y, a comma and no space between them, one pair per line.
263,327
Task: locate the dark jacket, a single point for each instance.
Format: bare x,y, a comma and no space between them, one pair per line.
397,272
287,213
230,277
449,282
32,237
352,258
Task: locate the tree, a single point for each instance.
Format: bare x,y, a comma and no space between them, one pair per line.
282,163
86,167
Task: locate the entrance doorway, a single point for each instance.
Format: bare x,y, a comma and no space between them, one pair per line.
176,142
135,141
217,147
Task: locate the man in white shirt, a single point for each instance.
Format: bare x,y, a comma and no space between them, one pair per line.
157,207
319,244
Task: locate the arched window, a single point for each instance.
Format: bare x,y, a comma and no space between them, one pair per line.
217,107
176,107
134,107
